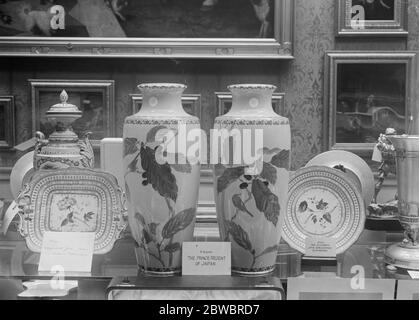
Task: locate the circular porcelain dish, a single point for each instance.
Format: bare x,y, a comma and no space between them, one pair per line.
352,165
323,203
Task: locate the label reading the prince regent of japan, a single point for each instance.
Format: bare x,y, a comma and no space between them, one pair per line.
320,247
206,258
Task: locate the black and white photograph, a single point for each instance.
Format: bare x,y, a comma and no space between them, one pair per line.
199,28
209,158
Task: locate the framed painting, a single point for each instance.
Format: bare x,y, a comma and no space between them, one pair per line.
191,103
372,17
95,98
128,28
7,122
366,93
224,101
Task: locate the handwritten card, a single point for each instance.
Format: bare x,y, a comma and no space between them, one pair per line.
320,247
206,258
71,251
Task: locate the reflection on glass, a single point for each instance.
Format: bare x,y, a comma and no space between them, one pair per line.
370,99
376,10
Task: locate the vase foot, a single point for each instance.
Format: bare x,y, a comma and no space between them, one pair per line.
402,256
257,272
158,272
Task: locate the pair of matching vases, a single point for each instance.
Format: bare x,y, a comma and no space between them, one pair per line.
162,176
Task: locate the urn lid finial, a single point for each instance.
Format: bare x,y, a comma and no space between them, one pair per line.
63,97
64,109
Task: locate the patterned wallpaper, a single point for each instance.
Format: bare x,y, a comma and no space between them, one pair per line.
301,79
304,80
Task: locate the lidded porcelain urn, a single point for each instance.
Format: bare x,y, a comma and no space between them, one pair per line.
251,184
162,180
63,148
406,254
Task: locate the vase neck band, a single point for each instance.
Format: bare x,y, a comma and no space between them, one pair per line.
251,100
162,100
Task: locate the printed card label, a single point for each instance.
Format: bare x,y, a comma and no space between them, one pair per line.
320,247
206,258
71,251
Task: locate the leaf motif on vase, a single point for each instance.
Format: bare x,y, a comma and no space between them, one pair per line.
132,167
153,228
269,250
147,236
269,173
158,175
140,219
172,247
266,201
281,159
239,204
178,223
127,192
228,177
239,235
130,146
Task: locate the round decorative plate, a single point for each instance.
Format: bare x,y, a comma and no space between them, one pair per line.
21,173
323,203
72,200
352,165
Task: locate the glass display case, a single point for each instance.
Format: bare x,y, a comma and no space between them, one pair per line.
159,124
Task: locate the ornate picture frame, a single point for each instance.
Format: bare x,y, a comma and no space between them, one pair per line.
366,92
95,98
224,100
7,122
191,103
377,18
103,41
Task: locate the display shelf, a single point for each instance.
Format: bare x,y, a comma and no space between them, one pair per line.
196,288
18,264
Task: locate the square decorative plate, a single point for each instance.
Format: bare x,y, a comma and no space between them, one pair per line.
323,203
72,200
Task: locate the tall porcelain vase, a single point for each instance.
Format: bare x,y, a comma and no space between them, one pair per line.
161,182
251,195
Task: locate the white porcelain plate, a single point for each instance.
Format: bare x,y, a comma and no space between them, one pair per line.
72,200
323,203
352,165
